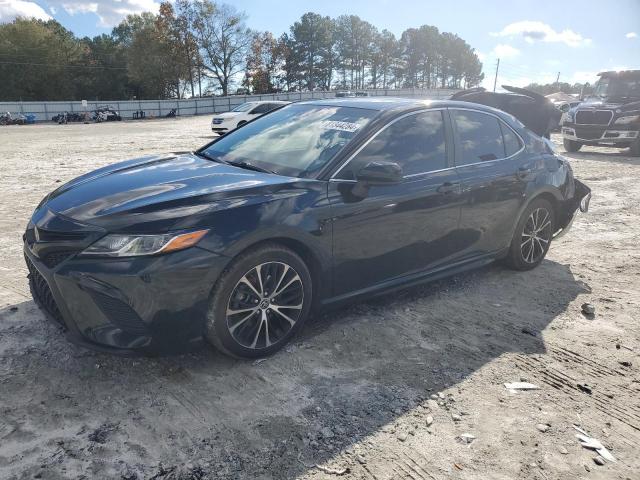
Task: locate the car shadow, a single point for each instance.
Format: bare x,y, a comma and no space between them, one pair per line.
351,373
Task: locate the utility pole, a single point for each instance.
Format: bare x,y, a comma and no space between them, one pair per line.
558,80
495,81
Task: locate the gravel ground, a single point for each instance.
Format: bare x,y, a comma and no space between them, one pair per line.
385,389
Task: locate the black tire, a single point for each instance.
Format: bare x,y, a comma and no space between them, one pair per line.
232,333
520,256
634,148
571,145
241,123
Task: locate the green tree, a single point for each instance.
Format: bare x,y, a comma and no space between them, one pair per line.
311,44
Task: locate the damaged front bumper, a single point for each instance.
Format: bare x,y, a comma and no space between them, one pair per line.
579,201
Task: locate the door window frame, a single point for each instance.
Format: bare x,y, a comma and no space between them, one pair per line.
448,138
457,142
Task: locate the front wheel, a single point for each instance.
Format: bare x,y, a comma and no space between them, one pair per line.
571,145
532,236
260,302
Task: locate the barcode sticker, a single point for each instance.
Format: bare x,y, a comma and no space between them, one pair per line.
342,126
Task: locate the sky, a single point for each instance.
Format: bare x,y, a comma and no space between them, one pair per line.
534,39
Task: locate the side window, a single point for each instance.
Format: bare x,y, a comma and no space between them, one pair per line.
512,143
262,108
416,143
479,135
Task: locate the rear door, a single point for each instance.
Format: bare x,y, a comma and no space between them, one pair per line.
383,232
494,172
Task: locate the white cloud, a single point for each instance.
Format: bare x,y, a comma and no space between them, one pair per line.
533,31
10,9
631,35
584,77
505,51
109,12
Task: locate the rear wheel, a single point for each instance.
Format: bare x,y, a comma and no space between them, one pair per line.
532,237
260,303
571,145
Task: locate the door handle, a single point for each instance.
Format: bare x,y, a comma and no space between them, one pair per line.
449,187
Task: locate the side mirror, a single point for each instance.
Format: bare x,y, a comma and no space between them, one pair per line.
380,173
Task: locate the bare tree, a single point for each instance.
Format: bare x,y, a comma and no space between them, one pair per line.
223,38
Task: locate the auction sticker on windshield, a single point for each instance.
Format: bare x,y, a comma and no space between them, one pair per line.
342,126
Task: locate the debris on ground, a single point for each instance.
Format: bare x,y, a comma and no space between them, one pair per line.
259,361
588,309
529,331
599,461
625,363
583,387
593,444
333,471
543,427
521,386
466,438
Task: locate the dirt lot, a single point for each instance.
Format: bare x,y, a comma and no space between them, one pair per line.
353,392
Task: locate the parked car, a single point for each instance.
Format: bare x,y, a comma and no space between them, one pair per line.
611,116
534,110
318,203
106,114
345,94
223,123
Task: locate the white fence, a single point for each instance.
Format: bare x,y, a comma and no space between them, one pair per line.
194,106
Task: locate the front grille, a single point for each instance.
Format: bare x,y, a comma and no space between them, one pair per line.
54,259
593,117
217,121
589,133
119,313
42,293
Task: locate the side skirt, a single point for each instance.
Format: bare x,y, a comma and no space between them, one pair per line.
418,278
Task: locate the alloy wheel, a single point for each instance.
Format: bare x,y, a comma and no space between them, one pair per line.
536,235
264,305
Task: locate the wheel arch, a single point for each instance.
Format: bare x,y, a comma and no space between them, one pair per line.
319,278
553,197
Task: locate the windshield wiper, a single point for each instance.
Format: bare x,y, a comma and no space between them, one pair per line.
251,166
209,157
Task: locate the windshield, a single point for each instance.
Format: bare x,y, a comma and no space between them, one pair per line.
614,88
243,107
297,140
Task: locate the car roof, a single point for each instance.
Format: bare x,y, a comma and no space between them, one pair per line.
259,102
397,103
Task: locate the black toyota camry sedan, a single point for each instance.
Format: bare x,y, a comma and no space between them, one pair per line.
314,204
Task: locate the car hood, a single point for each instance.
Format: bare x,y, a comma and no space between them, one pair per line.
163,193
227,115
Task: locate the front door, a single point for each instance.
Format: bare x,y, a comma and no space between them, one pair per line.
383,232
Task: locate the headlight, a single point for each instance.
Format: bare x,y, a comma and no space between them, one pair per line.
138,245
627,120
